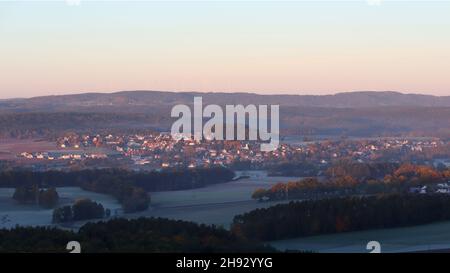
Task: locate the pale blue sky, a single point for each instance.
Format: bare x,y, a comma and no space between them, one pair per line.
299,47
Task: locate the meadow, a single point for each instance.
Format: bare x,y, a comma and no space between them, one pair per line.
407,239
216,204
12,213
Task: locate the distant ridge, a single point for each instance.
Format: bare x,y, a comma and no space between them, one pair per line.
358,114
362,99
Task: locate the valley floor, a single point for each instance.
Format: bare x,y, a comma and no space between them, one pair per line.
408,239
218,204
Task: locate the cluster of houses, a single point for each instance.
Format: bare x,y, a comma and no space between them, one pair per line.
160,150
62,155
438,188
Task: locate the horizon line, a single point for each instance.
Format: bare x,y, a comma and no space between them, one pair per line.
220,92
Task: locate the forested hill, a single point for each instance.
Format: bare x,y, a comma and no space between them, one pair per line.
140,100
359,114
336,215
143,235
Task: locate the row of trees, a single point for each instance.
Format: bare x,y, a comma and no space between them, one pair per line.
314,217
301,169
82,209
359,170
398,181
417,174
41,124
149,181
31,194
130,188
309,188
122,235
389,172
132,198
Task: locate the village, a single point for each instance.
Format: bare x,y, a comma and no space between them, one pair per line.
156,151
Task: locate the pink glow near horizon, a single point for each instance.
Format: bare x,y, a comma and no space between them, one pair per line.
291,48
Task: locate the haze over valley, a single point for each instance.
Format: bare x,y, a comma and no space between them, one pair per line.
360,114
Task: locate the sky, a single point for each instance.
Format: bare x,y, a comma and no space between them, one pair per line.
267,47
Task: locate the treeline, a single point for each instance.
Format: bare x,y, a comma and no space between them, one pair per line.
364,122
294,169
311,188
99,178
132,198
418,175
348,182
149,235
46,124
360,171
31,194
315,217
128,187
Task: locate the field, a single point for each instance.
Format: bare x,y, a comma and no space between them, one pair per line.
407,239
10,148
12,214
216,204
235,191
